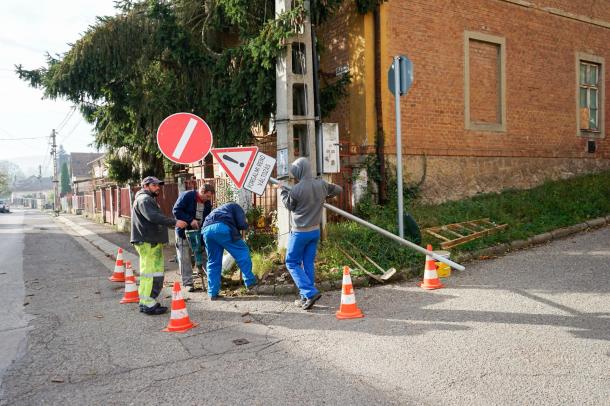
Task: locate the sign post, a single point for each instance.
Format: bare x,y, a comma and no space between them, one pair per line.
400,78
381,231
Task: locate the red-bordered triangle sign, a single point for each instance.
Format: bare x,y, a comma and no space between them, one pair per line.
236,162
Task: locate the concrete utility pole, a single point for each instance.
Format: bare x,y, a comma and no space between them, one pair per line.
295,114
56,203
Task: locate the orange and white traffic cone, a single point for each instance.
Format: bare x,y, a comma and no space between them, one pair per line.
179,321
119,268
131,289
348,308
431,280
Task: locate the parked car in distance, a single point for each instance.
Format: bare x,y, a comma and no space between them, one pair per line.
4,208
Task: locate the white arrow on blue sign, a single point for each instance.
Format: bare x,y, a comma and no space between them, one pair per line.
405,75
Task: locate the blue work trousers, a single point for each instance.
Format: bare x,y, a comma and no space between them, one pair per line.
300,257
218,238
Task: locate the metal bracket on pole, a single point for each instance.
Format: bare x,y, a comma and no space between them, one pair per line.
381,231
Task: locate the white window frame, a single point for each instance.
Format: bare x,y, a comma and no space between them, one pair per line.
601,96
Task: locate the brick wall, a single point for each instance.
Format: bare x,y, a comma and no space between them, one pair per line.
540,74
542,39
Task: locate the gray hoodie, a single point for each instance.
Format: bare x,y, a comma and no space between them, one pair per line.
306,198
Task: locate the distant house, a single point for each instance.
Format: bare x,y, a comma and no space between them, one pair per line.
33,187
80,173
99,171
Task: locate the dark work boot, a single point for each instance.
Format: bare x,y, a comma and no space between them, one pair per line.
154,311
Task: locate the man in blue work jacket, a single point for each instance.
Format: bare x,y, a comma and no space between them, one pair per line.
222,231
192,206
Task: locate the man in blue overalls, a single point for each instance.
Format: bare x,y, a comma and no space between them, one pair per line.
222,231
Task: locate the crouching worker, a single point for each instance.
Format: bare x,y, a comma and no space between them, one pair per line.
305,200
222,231
148,234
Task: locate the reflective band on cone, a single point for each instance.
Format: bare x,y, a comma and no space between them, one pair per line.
131,289
119,268
129,272
348,308
431,280
179,321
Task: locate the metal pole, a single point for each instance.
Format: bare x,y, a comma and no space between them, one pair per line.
383,232
398,145
56,201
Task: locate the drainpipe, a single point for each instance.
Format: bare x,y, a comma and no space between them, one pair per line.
316,89
380,137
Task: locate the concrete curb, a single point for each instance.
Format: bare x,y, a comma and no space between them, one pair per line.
110,250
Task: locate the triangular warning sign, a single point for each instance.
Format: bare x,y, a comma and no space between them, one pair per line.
236,162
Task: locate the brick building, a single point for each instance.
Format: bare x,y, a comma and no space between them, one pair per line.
507,93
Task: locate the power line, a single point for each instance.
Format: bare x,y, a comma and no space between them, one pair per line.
67,118
21,139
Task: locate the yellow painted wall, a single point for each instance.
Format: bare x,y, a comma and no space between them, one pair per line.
362,67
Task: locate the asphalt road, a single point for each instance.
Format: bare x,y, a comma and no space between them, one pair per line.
13,319
532,327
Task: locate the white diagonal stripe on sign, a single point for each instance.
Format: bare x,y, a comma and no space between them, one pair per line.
186,136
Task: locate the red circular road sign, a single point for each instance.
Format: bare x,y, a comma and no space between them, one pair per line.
184,138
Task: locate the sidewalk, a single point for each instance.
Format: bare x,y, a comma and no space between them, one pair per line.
108,240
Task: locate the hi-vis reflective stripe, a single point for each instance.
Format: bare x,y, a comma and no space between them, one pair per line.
347,279
348,299
152,275
430,274
176,296
179,314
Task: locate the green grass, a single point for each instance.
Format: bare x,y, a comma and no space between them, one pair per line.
527,212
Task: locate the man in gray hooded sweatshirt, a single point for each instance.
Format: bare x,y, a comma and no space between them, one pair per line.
305,200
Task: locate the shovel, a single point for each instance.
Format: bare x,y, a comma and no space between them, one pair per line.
386,274
372,275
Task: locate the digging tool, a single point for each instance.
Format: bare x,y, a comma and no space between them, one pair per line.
372,275
386,274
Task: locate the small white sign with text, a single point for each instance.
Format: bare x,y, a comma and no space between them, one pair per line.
259,174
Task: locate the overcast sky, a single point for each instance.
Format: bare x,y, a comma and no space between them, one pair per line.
28,29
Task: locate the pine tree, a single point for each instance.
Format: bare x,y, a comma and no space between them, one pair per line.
65,179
